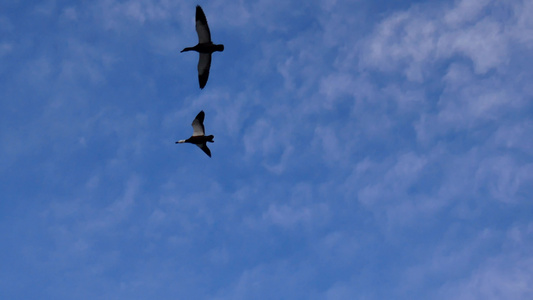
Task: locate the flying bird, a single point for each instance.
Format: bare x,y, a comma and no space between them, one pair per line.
205,47
198,134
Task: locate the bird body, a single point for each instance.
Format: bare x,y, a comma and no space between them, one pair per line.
198,139
205,47
198,136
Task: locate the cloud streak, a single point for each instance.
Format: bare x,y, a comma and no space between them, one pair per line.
363,150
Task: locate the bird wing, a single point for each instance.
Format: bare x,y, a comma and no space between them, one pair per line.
204,36
198,124
204,148
204,63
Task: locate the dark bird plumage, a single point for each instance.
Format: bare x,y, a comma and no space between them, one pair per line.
205,47
198,134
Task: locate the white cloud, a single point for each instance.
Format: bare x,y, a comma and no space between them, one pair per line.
70,13
287,216
5,48
515,136
116,13
400,175
85,62
522,28
341,154
503,276
506,179
417,39
278,279
465,11
484,43
405,38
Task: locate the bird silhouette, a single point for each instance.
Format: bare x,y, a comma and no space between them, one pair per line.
205,47
198,134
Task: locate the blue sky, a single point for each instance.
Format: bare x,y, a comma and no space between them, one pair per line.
363,150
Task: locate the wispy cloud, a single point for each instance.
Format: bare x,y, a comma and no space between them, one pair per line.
361,151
